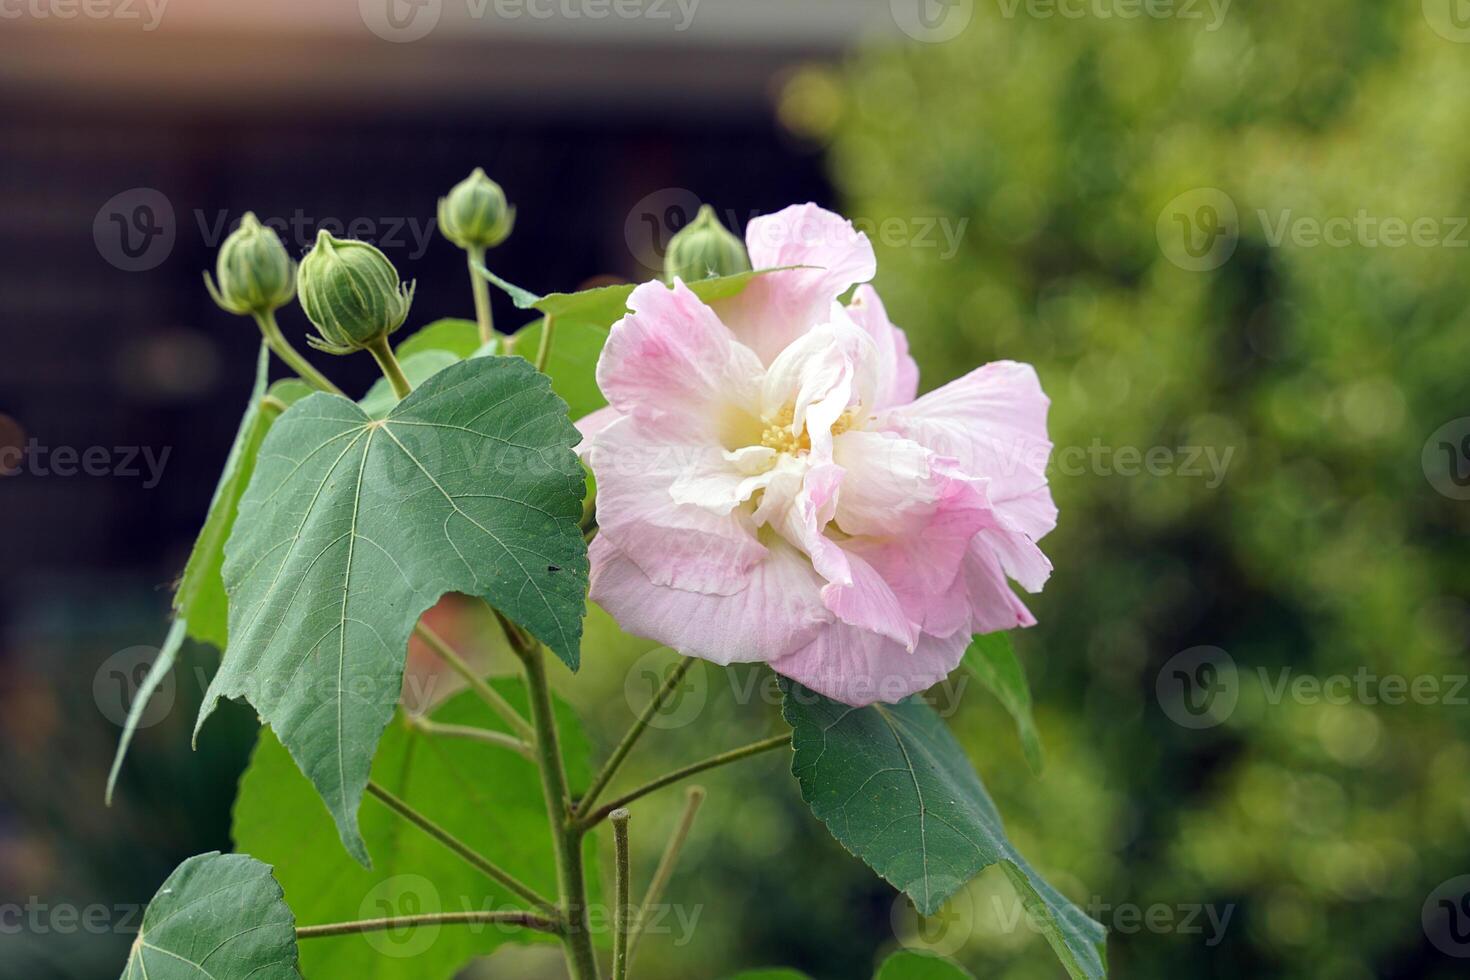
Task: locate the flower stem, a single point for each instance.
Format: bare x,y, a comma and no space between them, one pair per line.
543,350
457,846
475,255
477,683
515,917
430,727
620,753
383,354
619,820
271,331
665,869
724,758
567,838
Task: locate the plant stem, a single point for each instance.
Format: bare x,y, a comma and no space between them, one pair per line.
457,846
567,838
543,350
620,753
278,343
475,255
724,758
619,820
665,869
488,694
515,917
430,727
383,354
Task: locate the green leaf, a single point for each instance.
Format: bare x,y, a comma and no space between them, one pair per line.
894,787
605,305
200,596
219,916
572,364
773,974
352,527
485,795
418,368
993,661
460,337
909,965
157,671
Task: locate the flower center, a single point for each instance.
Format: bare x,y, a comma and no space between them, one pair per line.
777,434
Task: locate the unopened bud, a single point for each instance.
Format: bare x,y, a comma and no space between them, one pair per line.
704,248
255,274
352,293
474,214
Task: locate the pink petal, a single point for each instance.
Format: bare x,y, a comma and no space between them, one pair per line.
995,607
590,425
829,370
676,544
858,668
778,610
776,308
993,421
673,365
898,375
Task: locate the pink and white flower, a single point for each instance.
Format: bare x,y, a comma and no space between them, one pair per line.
770,489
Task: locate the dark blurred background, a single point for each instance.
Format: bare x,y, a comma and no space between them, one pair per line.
1263,432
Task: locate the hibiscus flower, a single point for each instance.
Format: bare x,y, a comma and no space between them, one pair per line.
770,489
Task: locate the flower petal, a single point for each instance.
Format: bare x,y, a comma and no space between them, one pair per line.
898,375
778,307
822,374
778,610
993,421
858,668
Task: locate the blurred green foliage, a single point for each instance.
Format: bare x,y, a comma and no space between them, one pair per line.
1068,148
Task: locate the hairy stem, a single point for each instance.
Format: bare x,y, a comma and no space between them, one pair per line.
514,917
488,694
475,255
610,768
665,869
282,348
619,820
383,354
430,727
457,846
723,759
567,838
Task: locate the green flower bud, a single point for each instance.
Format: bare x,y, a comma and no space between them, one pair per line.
255,273
704,248
475,215
352,293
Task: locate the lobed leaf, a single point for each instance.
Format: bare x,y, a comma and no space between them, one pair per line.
352,527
